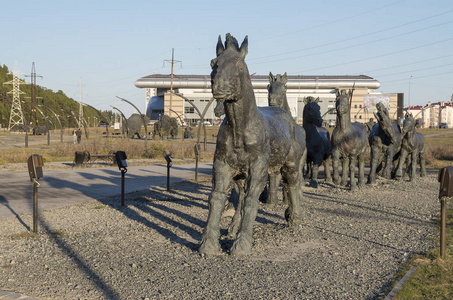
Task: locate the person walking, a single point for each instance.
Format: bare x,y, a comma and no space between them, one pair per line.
79,135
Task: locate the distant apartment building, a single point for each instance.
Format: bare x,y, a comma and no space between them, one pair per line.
197,89
433,114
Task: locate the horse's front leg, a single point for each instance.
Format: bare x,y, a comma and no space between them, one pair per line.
234,225
222,180
336,166
401,161
374,161
344,171
274,183
388,162
326,164
414,165
361,161
255,185
352,164
422,163
314,175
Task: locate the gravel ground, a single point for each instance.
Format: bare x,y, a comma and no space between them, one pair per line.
349,246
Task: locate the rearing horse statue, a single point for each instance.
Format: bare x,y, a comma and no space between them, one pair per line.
413,146
252,142
385,143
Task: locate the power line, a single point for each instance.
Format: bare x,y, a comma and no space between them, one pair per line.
416,70
408,64
382,55
360,36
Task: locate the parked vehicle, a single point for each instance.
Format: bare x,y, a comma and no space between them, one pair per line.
443,125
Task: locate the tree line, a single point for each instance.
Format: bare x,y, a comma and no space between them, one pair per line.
65,107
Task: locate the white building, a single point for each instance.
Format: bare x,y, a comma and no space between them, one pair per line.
197,89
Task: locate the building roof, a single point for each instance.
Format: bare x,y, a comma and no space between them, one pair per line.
261,81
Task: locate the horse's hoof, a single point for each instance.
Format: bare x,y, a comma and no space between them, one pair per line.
314,184
210,247
241,246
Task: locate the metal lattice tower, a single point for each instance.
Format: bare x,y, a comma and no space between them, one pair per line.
80,107
16,117
33,118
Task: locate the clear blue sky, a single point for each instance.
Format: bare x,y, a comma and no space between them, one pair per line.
108,45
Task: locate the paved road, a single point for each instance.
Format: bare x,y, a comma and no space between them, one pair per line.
63,187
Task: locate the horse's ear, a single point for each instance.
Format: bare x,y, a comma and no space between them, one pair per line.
305,100
284,78
244,47
271,77
337,93
317,100
219,48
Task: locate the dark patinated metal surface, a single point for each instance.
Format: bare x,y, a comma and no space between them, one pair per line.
251,143
319,148
385,143
349,142
412,149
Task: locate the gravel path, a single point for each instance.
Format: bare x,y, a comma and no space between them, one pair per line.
349,246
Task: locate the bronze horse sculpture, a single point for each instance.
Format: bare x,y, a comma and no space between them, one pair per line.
252,142
277,91
277,97
385,143
413,147
349,142
319,148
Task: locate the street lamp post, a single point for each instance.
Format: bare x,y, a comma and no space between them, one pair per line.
409,95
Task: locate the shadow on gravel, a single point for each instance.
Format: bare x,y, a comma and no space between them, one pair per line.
82,265
153,209
364,207
4,202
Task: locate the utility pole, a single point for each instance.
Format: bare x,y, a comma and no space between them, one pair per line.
172,61
16,117
33,118
409,96
80,107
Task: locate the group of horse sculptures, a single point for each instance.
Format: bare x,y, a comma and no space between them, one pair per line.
259,146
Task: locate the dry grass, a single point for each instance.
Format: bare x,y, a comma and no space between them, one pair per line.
99,144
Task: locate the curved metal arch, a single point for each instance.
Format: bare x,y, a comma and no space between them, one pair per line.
125,120
141,115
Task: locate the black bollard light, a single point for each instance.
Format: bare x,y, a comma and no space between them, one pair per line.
35,164
167,156
120,157
445,177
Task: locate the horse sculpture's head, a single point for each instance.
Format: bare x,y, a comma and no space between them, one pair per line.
382,116
228,68
277,89
408,125
342,102
312,111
